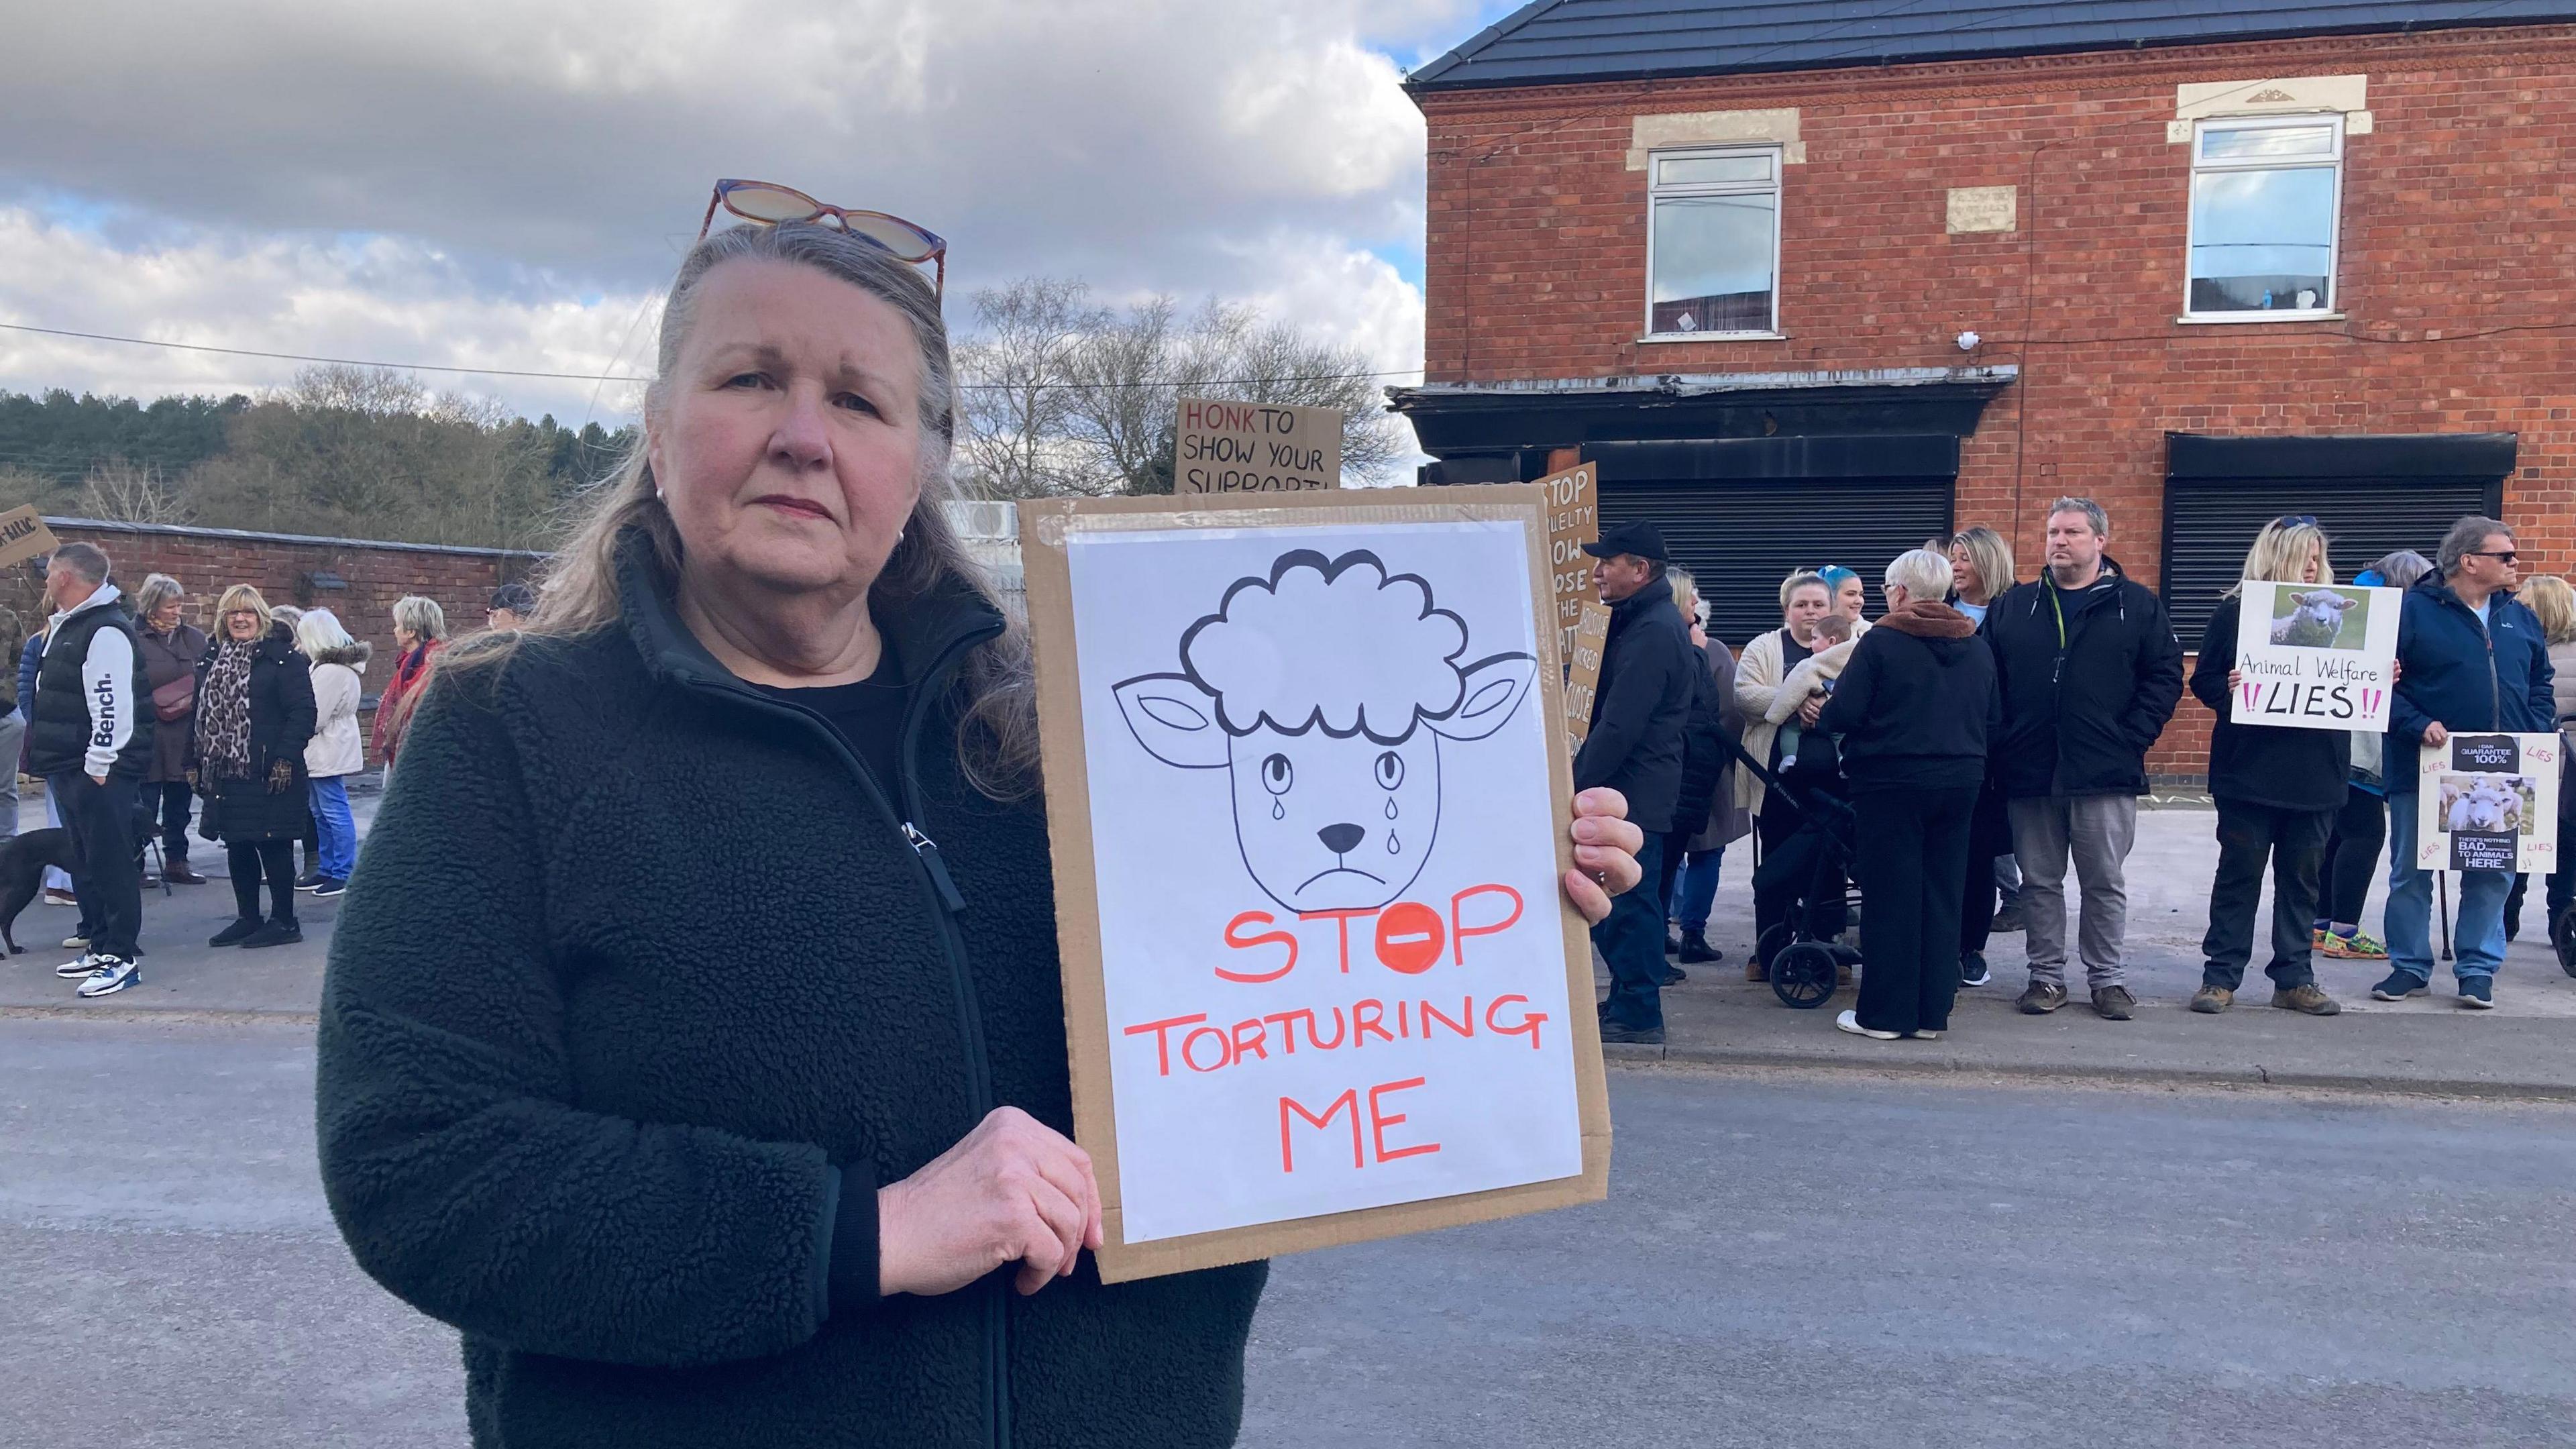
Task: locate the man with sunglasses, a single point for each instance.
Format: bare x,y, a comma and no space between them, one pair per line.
2470,657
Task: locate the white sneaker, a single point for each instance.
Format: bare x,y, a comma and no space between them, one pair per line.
1925,1035
79,966
1850,1021
112,976
75,943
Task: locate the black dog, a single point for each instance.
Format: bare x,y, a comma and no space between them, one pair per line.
22,874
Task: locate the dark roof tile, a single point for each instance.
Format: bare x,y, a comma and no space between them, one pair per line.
1562,41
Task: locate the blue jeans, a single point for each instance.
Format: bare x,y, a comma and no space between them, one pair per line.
2478,948
1631,940
1690,882
335,829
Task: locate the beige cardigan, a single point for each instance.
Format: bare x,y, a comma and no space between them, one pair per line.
1768,700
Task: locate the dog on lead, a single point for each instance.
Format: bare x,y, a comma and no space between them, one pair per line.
22,873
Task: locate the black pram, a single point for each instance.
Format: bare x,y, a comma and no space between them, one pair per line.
1800,883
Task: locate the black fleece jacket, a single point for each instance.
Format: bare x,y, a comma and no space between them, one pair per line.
1916,705
2082,727
638,996
1642,709
2287,769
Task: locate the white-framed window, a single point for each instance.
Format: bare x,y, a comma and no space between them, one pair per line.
2266,199
1713,242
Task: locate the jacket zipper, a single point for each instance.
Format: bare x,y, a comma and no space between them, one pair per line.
904,808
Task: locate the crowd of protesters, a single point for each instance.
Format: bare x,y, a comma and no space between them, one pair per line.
1990,736
147,731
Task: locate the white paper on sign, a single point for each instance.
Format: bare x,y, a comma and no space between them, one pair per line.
2488,802
2315,656
1324,841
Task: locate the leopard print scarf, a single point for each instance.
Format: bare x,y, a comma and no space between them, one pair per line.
223,713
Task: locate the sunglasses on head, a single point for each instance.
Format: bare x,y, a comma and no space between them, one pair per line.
767,204
2295,520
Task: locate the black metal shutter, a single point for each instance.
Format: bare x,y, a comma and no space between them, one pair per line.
2373,495
1739,538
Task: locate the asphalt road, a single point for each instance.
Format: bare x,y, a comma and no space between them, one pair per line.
1821,1260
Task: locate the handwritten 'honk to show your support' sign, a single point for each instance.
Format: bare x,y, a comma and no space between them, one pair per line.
2315,656
1243,447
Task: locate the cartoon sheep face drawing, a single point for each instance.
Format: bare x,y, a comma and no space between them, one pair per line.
1328,689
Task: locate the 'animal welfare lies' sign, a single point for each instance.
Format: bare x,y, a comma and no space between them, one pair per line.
2315,656
1308,792
2488,802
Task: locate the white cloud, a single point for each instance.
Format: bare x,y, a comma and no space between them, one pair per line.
492,182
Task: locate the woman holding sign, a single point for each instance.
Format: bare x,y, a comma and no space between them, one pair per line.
704,1058
2277,791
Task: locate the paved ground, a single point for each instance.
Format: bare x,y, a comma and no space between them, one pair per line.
2064,1266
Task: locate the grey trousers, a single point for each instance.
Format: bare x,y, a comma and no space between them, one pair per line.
2095,832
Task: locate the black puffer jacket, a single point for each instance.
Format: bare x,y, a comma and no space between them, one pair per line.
2084,730
637,998
1648,678
2288,769
248,809
1916,707
1704,753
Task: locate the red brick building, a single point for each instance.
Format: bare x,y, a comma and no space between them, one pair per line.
1810,286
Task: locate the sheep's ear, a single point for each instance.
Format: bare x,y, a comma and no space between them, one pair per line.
1493,690
1174,719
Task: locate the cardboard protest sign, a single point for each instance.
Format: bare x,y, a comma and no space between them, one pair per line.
1583,670
2488,802
1241,447
23,535
1573,520
2315,656
1307,792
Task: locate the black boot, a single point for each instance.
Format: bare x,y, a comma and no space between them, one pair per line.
1697,951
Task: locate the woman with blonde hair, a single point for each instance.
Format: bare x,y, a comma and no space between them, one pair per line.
2549,597
2277,791
705,1062
246,757
1706,817
1781,681
335,752
420,631
1981,568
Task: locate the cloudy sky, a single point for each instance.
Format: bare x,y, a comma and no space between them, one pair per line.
508,183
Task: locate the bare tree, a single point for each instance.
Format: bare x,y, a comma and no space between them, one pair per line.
124,492
1065,398
1016,402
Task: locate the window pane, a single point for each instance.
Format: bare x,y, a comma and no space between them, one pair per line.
1713,265
2260,141
2262,240
1683,170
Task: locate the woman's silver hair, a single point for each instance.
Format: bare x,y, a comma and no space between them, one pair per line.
2466,537
1922,574
318,630
2403,569
158,589
579,593
1992,553
421,615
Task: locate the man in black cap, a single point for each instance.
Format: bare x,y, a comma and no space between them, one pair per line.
1639,713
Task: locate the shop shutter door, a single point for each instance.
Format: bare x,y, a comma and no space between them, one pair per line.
1740,538
2210,523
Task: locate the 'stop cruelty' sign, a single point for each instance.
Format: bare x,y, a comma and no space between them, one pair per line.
1242,447
2315,656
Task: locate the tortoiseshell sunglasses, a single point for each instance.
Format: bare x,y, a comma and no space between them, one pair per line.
768,203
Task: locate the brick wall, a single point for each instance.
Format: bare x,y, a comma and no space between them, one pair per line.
2457,273
209,560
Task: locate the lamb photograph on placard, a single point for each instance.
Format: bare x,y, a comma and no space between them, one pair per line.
1315,906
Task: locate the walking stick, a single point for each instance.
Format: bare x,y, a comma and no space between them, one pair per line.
2442,888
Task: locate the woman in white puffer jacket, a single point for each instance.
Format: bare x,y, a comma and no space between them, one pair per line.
336,752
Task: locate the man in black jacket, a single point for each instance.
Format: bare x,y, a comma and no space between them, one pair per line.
2091,672
90,739
1639,713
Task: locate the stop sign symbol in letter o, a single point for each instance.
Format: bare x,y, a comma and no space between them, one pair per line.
1409,937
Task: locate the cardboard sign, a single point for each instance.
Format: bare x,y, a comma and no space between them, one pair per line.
23,535
2488,802
1573,520
2315,656
1308,804
1241,447
1583,671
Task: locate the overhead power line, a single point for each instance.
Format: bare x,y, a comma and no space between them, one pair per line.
621,377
